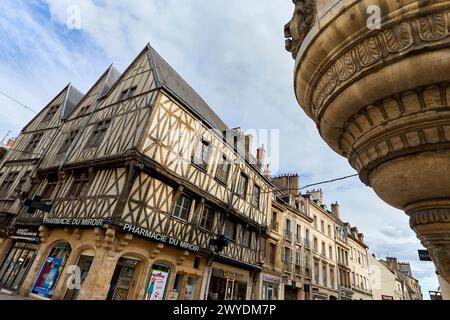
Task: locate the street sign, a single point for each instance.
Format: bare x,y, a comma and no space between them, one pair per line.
424,255
36,204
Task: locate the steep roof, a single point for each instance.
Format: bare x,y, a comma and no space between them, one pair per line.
170,80
73,97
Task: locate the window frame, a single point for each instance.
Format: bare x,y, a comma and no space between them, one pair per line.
98,133
256,197
210,212
177,205
242,177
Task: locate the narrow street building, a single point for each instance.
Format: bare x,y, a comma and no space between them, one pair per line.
359,264
150,195
19,242
324,268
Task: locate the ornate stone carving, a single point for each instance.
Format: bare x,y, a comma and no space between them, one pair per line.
371,136
380,48
381,98
295,31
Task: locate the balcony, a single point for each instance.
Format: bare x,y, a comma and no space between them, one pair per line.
307,244
308,272
287,265
287,235
298,269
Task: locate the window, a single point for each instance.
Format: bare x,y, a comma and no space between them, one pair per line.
98,134
128,93
286,255
315,222
315,245
332,277
256,196
322,226
52,181
182,207
299,233
324,253
50,114
287,227
330,251
84,110
230,230
202,154
207,218
52,270
247,238
316,272
324,276
242,187
272,252
23,180
223,170
80,186
10,179
329,231
35,139
68,141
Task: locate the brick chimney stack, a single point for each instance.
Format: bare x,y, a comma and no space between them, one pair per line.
336,210
392,263
261,156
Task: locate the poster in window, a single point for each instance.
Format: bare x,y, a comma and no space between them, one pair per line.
49,275
157,285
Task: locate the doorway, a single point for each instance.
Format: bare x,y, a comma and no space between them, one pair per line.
84,265
122,280
16,266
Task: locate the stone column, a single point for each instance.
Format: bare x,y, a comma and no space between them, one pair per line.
379,92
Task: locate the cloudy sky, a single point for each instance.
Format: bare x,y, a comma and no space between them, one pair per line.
231,52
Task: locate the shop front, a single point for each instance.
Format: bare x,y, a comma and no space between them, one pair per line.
87,266
229,283
270,287
319,293
17,262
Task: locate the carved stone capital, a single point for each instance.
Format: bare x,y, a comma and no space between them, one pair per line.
433,229
295,31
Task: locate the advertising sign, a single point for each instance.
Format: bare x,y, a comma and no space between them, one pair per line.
157,285
49,275
424,255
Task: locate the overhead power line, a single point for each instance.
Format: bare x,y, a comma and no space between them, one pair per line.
18,102
309,185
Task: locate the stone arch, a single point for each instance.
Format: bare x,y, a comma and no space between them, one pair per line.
73,260
47,250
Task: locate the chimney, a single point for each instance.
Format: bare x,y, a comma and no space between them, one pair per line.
248,145
317,196
10,143
392,263
336,210
261,156
288,184
266,172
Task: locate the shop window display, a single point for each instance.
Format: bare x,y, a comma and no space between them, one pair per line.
52,270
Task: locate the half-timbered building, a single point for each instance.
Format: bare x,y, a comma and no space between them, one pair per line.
19,242
152,196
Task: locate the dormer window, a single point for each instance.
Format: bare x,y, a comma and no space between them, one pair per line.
84,110
35,139
50,114
98,134
68,141
128,93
